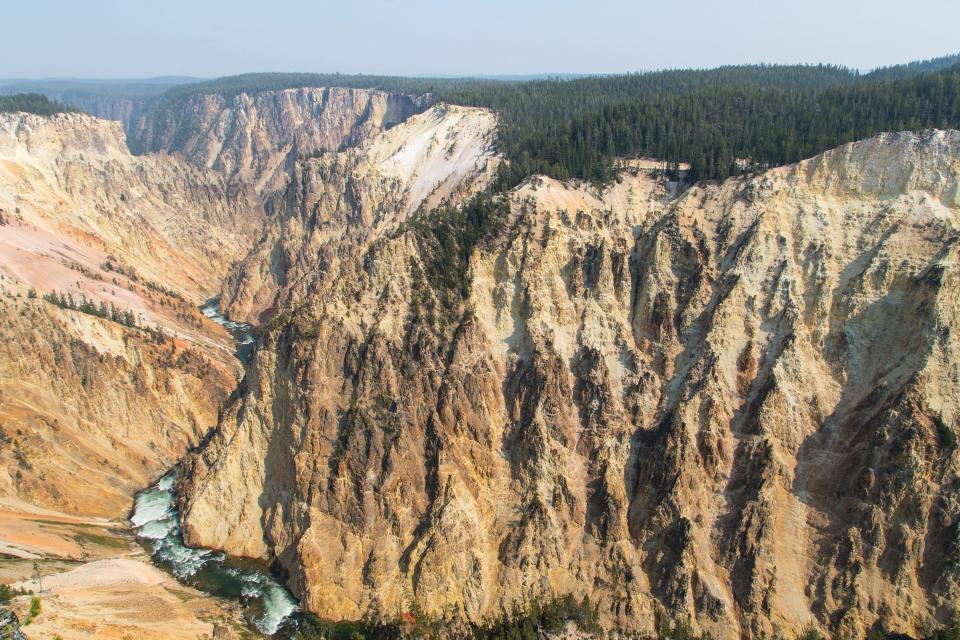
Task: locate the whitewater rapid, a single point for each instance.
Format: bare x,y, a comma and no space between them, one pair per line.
242,333
268,606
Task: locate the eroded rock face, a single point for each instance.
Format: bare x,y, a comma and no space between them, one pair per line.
256,138
341,202
737,405
10,625
70,179
91,410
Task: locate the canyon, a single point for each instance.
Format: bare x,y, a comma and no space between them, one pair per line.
651,399
256,138
733,403
92,409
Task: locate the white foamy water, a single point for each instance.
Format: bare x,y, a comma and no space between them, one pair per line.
156,521
156,529
278,605
212,311
242,333
268,604
153,505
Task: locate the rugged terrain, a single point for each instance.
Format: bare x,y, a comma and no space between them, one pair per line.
92,408
340,202
737,404
734,403
69,182
256,138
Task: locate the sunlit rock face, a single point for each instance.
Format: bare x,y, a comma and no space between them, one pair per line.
256,138
737,405
98,409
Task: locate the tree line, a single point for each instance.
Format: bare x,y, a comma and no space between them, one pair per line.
86,305
721,121
36,103
719,128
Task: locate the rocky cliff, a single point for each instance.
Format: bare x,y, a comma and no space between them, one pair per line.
737,405
71,179
256,137
123,100
92,409
128,111
340,202
10,625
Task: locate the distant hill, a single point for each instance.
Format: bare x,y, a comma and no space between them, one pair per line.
114,88
913,68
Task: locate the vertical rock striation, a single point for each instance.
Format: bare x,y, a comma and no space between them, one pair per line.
257,137
92,410
739,404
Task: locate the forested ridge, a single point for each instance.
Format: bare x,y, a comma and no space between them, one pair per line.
32,103
721,121
720,128
111,89
917,66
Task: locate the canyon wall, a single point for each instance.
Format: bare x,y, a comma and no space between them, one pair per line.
92,409
70,179
256,138
340,202
737,404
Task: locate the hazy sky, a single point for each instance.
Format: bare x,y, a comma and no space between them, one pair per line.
139,38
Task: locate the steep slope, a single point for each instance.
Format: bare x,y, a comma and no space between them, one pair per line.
92,409
96,402
257,137
69,180
739,405
340,202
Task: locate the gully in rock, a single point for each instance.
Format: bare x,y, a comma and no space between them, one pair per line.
268,606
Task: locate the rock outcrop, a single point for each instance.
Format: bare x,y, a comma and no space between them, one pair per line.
70,180
10,625
737,405
130,112
125,101
92,411
256,138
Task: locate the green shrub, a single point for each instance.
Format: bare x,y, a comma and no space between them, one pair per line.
810,633
35,609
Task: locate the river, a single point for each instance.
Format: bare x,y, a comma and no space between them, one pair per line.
267,605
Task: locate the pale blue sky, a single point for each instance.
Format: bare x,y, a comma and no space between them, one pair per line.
139,38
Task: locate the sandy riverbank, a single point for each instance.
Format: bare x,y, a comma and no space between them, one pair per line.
98,583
